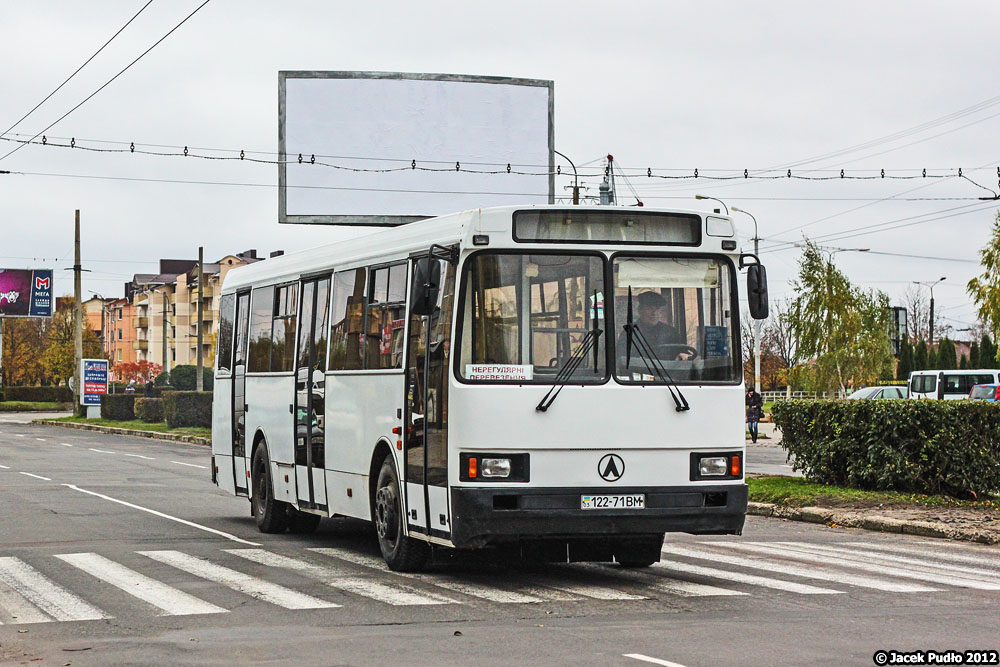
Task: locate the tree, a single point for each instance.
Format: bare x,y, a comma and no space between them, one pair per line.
844,327
905,366
963,363
185,377
987,352
918,314
23,343
932,359
141,371
58,355
985,289
920,356
974,355
946,355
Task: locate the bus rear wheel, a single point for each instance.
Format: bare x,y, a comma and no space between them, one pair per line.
401,553
271,514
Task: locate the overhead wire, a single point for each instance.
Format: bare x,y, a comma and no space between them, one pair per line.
109,81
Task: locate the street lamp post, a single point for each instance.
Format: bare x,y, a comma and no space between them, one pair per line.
699,197
757,323
929,284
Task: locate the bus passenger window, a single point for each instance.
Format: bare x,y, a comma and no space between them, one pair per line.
346,319
384,328
261,318
227,314
283,331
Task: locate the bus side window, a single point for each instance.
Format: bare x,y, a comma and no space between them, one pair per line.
261,319
346,320
283,329
227,314
386,308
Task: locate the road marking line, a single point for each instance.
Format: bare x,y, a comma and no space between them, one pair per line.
193,465
989,575
655,661
100,451
20,435
40,439
819,571
165,516
65,444
238,581
679,587
751,579
982,559
591,591
339,580
861,563
171,601
45,594
484,591
15,608
5,467
140,456
36,476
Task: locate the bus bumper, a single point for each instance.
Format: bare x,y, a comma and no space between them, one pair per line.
482,516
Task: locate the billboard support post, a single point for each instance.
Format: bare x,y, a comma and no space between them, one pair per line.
200,385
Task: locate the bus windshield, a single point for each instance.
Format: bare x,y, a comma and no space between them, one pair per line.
524,315
682,308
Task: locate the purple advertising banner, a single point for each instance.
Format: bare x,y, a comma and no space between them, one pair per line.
26,293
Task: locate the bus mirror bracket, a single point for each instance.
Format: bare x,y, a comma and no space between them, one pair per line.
756,286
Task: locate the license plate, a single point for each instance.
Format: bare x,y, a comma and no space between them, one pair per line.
635,501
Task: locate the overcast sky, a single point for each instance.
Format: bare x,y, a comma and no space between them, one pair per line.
668,85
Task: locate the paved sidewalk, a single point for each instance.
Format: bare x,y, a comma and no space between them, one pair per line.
28,417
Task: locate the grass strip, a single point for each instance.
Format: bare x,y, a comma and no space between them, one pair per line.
798,492
34,406
139,425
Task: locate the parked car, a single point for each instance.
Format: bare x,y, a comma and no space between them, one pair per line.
985,392
949,385
879,392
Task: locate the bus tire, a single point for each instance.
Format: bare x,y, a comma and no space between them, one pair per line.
302,523
640,552
401,553
271,514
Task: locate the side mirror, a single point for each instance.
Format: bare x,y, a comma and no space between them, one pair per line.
757,291
426,285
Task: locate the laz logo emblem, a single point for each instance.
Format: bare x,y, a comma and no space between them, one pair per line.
611,467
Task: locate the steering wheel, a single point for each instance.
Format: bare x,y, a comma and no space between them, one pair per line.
669,351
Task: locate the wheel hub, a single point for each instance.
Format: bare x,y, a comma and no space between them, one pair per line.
385,514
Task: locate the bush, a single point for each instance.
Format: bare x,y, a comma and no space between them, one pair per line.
149,409
185,378
119,407
910,446
162,380
61,394
188,408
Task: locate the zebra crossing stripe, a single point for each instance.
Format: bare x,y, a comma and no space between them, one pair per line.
963,556
679,587
485,592
169,600
859,562
238,581
14,608
908,559
742,578
817,571
43,593
375,590
590,590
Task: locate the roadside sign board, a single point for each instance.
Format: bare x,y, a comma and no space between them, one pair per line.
95,380
26,293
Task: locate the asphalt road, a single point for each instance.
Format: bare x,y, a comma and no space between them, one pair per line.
119,550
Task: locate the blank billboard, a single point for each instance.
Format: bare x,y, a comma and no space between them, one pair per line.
386,148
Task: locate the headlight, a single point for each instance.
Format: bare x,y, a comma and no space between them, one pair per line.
713,466
495,467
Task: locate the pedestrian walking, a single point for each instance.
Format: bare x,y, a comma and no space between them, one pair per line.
755,412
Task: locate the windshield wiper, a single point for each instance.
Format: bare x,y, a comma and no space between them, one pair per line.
589,342
634,336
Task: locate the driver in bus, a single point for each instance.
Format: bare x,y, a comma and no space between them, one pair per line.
653,328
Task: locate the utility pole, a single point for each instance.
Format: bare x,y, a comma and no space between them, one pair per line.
200,386
77,318
931,285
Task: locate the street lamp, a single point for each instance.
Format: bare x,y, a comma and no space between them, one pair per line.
713,199
930,333
757,323
576,179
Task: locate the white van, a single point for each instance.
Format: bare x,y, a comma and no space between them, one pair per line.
949,385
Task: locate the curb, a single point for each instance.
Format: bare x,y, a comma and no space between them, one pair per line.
884,524
174,437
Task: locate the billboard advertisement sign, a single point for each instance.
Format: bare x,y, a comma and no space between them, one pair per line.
95,380
26,293
387,148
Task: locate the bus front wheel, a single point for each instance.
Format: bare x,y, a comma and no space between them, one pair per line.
401,553
271,514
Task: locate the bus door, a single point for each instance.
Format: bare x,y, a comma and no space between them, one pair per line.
426,419
239,397
310,394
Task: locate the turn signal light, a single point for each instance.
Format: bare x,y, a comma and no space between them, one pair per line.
734,466
473,467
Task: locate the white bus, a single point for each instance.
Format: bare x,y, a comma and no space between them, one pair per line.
563,382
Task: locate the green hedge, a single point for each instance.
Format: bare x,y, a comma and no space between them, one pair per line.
149,409
913,446
61,394
185,378
187,408
119,407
